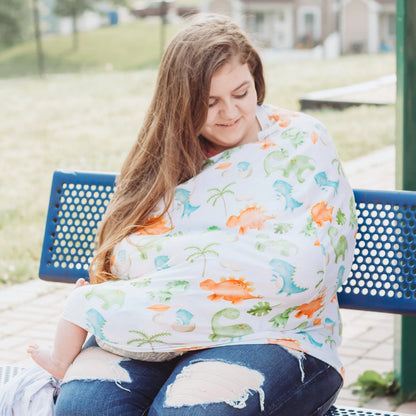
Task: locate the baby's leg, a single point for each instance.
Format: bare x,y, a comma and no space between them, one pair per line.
69,339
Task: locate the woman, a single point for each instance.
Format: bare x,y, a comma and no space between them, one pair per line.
231,229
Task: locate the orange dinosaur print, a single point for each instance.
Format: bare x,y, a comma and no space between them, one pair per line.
266,143
231,289
317,243
186,349
154,226
224,165
283,117
293,344
321,213
317,322
250,218
159,307
309,309
314,137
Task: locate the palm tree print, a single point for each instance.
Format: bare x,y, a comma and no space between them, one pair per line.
201,252
219,194
146,339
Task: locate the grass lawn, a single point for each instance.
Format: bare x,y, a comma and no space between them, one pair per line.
88,121
130,46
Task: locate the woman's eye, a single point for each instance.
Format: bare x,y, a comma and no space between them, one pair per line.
211,104
241,95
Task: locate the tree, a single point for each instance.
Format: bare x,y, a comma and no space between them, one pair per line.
14,21
73,9
201,252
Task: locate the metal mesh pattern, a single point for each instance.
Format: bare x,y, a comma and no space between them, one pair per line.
76,208
349,411
383,276
384,268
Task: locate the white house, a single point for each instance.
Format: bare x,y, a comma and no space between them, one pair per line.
361,25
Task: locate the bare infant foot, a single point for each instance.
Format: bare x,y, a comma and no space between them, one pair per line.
45,359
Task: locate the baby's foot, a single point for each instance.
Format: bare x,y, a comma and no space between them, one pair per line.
45,359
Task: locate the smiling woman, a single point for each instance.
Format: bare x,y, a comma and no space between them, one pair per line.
231,118
237,297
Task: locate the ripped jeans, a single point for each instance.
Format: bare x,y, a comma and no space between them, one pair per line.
244,380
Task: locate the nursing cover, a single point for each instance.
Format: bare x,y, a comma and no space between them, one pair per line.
252,251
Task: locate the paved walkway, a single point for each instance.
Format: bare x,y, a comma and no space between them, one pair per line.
30,311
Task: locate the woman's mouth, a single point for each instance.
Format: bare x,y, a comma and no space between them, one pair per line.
229,124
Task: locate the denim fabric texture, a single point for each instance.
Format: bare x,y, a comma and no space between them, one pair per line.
244,380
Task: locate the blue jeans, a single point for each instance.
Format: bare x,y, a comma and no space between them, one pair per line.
244,380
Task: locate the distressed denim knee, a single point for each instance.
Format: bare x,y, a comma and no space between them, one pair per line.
206,382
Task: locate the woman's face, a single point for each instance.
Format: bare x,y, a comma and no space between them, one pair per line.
231,119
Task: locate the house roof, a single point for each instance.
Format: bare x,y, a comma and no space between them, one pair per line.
291,1
266,1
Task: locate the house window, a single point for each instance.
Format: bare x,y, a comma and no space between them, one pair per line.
391,25
259,22
309,21
309,25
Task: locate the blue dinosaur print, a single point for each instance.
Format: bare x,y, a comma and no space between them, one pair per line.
310,339
96,321
322,180
284,189
182,196
161,262
243,166
184,316
340,276
285,271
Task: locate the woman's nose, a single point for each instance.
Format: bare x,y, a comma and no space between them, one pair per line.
229,109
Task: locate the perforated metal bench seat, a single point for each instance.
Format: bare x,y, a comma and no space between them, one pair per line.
353,411
383,276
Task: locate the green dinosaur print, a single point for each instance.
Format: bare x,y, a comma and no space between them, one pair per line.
282,318
309,229
220,331
283,247
170,289
341,246
141,282
271,159
109,296
353,217
296,136
145,248
298,165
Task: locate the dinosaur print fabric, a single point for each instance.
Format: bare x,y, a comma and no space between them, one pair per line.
251,251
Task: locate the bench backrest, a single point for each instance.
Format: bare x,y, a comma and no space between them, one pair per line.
383,276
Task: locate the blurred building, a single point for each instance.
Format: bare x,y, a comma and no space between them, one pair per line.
353,25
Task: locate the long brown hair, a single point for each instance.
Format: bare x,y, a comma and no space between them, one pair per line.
169,149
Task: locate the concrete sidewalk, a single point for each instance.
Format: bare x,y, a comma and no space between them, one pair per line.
29,312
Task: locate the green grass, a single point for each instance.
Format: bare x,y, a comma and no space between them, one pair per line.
131,46
89,120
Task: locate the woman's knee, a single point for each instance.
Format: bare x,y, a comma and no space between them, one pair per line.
212,387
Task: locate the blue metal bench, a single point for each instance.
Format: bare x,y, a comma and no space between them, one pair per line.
383,276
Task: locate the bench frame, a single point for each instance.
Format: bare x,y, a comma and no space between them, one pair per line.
382,279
